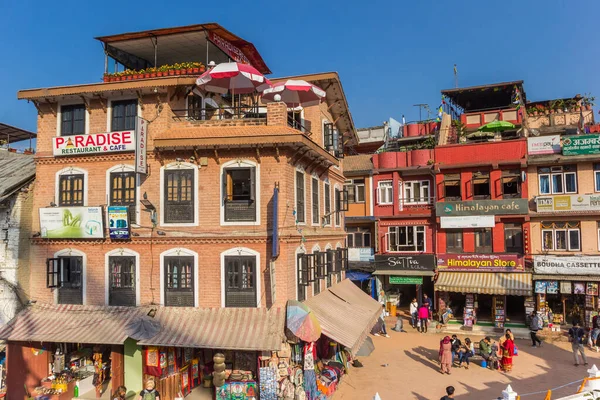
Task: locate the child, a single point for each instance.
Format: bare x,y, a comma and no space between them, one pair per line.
150,393
121,393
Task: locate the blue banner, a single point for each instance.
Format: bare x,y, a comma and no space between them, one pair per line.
118,222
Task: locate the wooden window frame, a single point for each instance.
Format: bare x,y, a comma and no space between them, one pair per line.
71,108
178,188
71,178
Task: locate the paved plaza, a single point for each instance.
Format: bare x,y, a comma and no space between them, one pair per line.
413,371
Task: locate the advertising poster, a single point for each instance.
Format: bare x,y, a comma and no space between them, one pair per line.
579,288
540,286
592,289
71,223
566,288
552,287
118,222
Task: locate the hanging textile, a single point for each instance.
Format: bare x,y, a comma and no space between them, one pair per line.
153,362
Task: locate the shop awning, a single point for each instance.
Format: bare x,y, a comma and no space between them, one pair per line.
501,283
401,272
346,314
73,324
219,328
578,278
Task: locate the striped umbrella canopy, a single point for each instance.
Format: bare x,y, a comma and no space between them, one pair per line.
295,92
302,322
234,77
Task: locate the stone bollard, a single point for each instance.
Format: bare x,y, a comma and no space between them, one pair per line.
593,382
509,394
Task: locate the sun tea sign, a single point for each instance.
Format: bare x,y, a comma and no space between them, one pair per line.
98,143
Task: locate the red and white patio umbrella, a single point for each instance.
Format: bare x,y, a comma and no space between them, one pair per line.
295,92
235,77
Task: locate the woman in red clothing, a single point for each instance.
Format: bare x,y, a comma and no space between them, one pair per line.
423,317
508,350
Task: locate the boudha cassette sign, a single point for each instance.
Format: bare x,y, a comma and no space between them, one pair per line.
112,142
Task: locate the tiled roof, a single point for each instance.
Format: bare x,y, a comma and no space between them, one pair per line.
15,171
361,162
220,328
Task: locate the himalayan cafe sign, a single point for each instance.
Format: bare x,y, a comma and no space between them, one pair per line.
480,262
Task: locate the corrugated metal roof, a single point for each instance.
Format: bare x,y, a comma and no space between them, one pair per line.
361,162
346,314
220,328
73,324
15,170
502,283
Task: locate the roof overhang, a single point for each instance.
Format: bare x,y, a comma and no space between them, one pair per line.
12,134
137,50
96,89
297,142
336,102
492,96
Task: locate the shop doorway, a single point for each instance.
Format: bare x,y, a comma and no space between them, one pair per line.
414,287
515,309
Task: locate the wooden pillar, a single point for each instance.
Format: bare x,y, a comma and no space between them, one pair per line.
117,367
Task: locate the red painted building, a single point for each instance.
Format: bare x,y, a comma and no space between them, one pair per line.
481,208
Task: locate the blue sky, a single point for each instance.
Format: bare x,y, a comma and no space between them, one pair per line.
389,54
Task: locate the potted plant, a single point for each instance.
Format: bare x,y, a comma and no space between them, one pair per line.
196,67
171,70
588,101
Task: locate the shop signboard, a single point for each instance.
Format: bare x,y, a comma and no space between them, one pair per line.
118,222
71,223
481,207
141,155
537,145
406,280
364,254
97,143
228,48
481,262
575,202
581,145
420,262
583,265
472,221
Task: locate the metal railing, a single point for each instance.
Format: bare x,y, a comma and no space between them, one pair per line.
240,211
304,128
416,202
220,113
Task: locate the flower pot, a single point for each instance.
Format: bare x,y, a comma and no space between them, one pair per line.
152,74
129,77
27,152
202,69
147,75
171,72
420,157
106,78
177,72
195,70
136,76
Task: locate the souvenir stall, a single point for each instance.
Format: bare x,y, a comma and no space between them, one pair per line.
559,302
226,375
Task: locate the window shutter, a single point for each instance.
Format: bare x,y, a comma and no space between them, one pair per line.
52,273
252,184
328,136
228,186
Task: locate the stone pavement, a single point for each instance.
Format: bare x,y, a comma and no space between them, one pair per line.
413,371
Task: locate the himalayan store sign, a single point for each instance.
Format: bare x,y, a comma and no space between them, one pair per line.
481,207
480,262
575,202
543,145
94,143
585,265
581,145
420,262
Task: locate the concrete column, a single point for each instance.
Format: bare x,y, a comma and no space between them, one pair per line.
509,394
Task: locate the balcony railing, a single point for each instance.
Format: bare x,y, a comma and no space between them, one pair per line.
475,119
303,126
240,211
416,203
220,113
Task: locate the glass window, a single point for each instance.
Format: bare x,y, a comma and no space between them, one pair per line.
300,214
302,278
179,196
561,236
358,237
483,240
454,242
513,238
359,185
557,180
452,190
597,180
315,201
511,184
124,115
122,281
71,190
481,185
385,192
179,281
71,290
122,191
406,238
327,189
240,194
240,287
416,192
72,120
338,217
545,184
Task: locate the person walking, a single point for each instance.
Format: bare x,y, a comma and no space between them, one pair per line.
467,350
576,337
508,351
427,302
534,327
414,312
423,317
445,355
449,393
383,328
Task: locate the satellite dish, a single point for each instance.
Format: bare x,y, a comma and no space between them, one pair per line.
535,132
